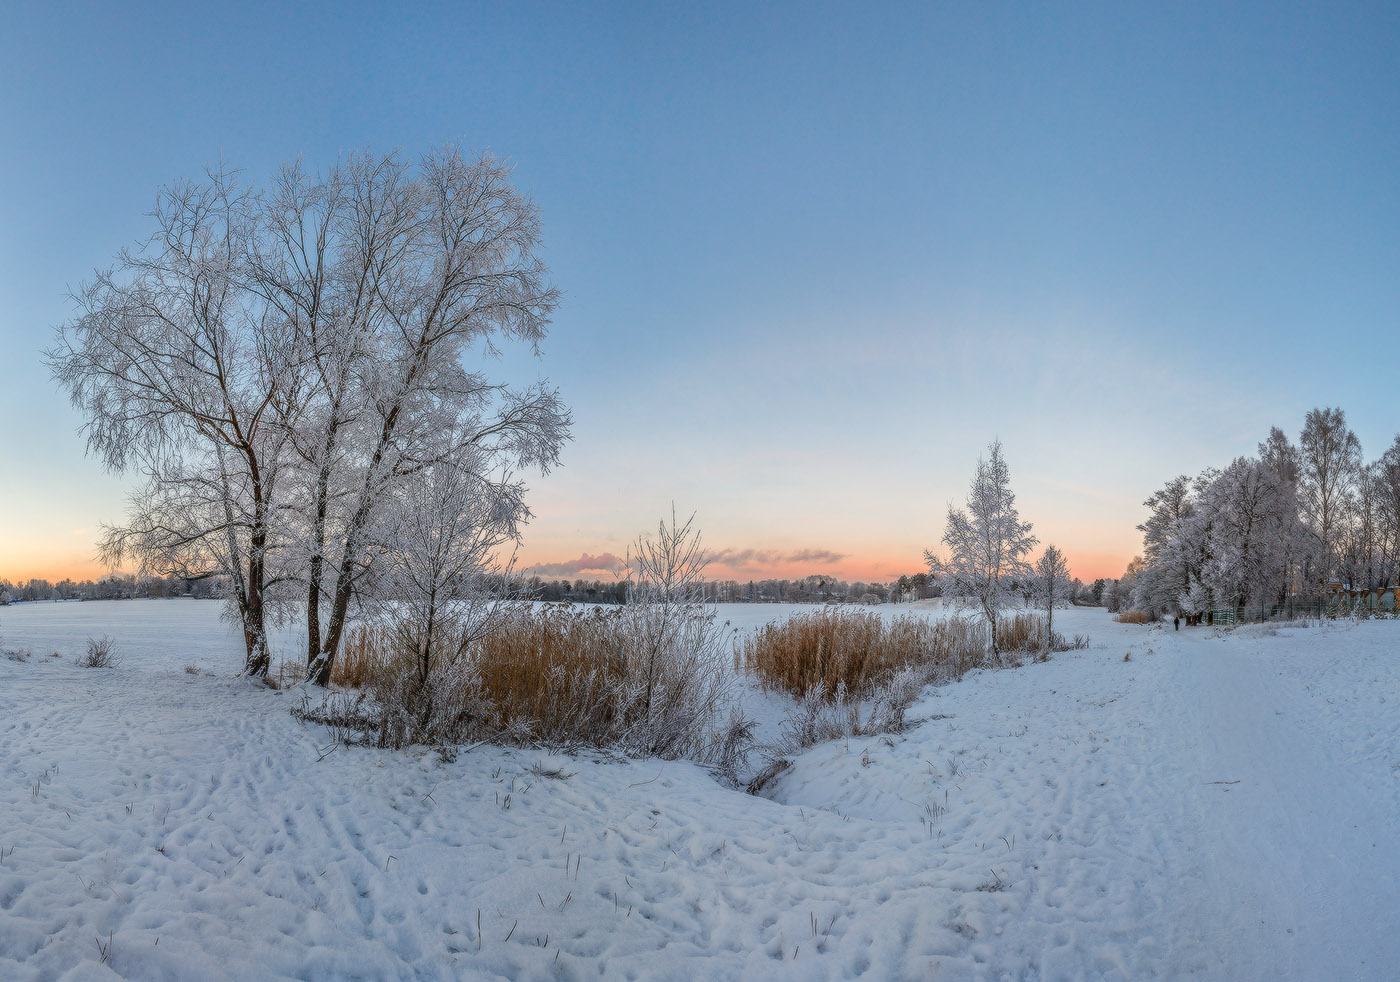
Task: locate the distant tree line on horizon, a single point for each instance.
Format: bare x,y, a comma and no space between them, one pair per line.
114,587
1296,523
815,588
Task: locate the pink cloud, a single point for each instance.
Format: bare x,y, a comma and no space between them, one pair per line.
768,557
604,562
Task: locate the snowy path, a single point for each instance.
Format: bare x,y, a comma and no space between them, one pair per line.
1060,821
1307,836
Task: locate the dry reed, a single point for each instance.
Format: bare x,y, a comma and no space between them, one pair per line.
1021,632
838,653
364,650
1133,617
557,676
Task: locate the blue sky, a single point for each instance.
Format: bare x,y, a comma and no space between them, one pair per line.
814,256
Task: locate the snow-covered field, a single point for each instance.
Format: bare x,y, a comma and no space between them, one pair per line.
1224,807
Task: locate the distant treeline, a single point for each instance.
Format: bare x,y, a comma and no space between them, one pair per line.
116,587
1298,523
806,589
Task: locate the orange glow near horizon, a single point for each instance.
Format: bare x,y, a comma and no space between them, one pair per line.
558,561
1086,565
22,569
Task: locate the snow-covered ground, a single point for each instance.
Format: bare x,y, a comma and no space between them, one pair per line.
1224,807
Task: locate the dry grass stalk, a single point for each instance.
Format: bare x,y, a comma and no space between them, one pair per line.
1133,617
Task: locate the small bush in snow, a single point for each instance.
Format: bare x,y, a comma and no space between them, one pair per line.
101,653
1133,617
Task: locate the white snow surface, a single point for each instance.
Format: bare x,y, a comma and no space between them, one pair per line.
1220,806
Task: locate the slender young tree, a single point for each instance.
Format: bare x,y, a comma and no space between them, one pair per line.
987,543
1052,587
433,591
677,636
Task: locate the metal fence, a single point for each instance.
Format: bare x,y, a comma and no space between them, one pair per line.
1336,606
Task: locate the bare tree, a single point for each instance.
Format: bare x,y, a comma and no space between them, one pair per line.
179,373
1052,587
1330,457
1388,480
304,268
987,543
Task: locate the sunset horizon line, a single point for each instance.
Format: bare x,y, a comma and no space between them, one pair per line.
605,565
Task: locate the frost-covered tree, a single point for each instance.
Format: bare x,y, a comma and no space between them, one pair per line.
987,543
1167,557
1195,600
282,365
1283,460
435,591
1053,587
180,374
1249,505
1177,541
435,586
449,253
1330,457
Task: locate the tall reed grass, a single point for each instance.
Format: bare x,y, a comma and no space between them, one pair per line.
854,652
617,677
1133,617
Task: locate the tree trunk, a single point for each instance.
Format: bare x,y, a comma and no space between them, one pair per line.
318,560
258,658
319,670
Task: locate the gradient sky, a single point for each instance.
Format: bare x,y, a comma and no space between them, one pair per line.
814,256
